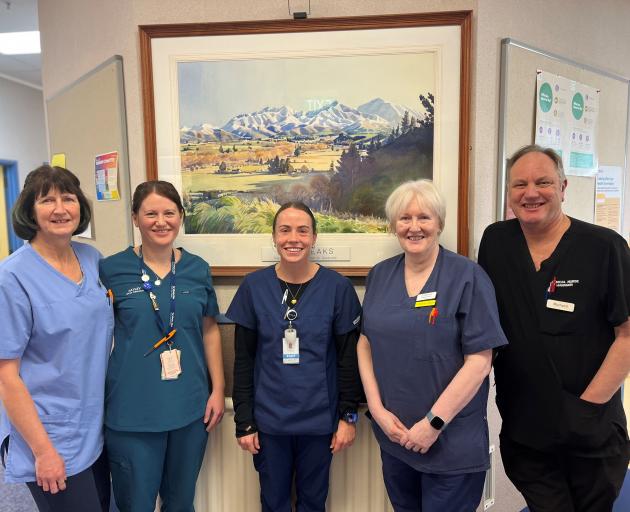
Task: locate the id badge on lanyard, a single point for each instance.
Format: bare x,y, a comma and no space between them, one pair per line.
170,359
171,363
290,342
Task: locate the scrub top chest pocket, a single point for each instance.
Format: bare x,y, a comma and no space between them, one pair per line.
562,307
436,338
78,312
192,299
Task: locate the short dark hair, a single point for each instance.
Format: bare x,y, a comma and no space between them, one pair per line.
535,148
38,183
159,187
298,205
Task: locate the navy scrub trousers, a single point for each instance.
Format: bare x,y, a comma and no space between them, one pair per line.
144,464
280,456
410,490
87,490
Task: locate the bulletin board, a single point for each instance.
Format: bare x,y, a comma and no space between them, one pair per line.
517,117
87,119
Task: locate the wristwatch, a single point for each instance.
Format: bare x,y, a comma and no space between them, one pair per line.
435,421
350,417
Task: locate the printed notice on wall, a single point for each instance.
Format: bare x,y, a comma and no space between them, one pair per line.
106,177
608,187
566,120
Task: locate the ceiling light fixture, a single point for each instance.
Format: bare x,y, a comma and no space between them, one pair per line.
19,43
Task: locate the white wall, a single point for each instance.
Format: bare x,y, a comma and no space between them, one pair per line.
591,32
22,126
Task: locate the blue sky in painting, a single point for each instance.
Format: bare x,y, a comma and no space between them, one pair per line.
215,91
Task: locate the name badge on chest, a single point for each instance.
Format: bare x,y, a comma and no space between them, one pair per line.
560,305
427,299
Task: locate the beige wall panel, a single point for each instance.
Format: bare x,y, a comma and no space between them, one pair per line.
87,119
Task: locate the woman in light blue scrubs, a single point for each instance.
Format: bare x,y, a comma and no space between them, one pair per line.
57,330
430,322
165,385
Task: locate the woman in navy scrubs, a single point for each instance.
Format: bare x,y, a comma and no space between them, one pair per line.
296,381
430,324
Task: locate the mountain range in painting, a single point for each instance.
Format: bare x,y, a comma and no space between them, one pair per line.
375,116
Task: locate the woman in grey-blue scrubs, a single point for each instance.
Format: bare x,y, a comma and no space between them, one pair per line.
56,337
430,323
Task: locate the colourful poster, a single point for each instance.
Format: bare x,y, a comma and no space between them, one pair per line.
566,120
106,177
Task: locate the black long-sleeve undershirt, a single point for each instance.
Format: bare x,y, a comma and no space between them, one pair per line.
245,347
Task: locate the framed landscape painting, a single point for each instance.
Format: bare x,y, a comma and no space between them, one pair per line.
334,112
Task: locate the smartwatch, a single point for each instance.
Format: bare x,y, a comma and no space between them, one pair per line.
350,417
435,421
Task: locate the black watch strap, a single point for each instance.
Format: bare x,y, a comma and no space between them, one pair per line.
435,421
350,417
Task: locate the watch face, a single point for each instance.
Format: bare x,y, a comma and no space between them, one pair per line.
437,423
350,417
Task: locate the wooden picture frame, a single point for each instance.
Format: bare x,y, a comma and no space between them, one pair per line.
448,34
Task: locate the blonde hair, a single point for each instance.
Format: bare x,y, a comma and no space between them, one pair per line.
422,191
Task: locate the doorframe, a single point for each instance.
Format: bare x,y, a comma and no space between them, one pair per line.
11,191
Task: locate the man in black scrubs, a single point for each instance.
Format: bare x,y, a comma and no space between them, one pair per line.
563,289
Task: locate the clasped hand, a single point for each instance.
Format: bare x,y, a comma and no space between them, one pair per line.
421,437
418,438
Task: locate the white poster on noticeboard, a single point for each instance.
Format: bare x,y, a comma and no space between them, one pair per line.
608,197
566,120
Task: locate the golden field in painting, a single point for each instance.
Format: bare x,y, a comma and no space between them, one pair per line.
251,156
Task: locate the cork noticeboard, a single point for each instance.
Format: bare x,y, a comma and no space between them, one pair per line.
86,119
517,116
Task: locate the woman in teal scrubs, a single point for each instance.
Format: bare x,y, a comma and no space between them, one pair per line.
430,322
165,384
56,337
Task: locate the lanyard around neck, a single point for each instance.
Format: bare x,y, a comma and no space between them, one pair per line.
148,287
